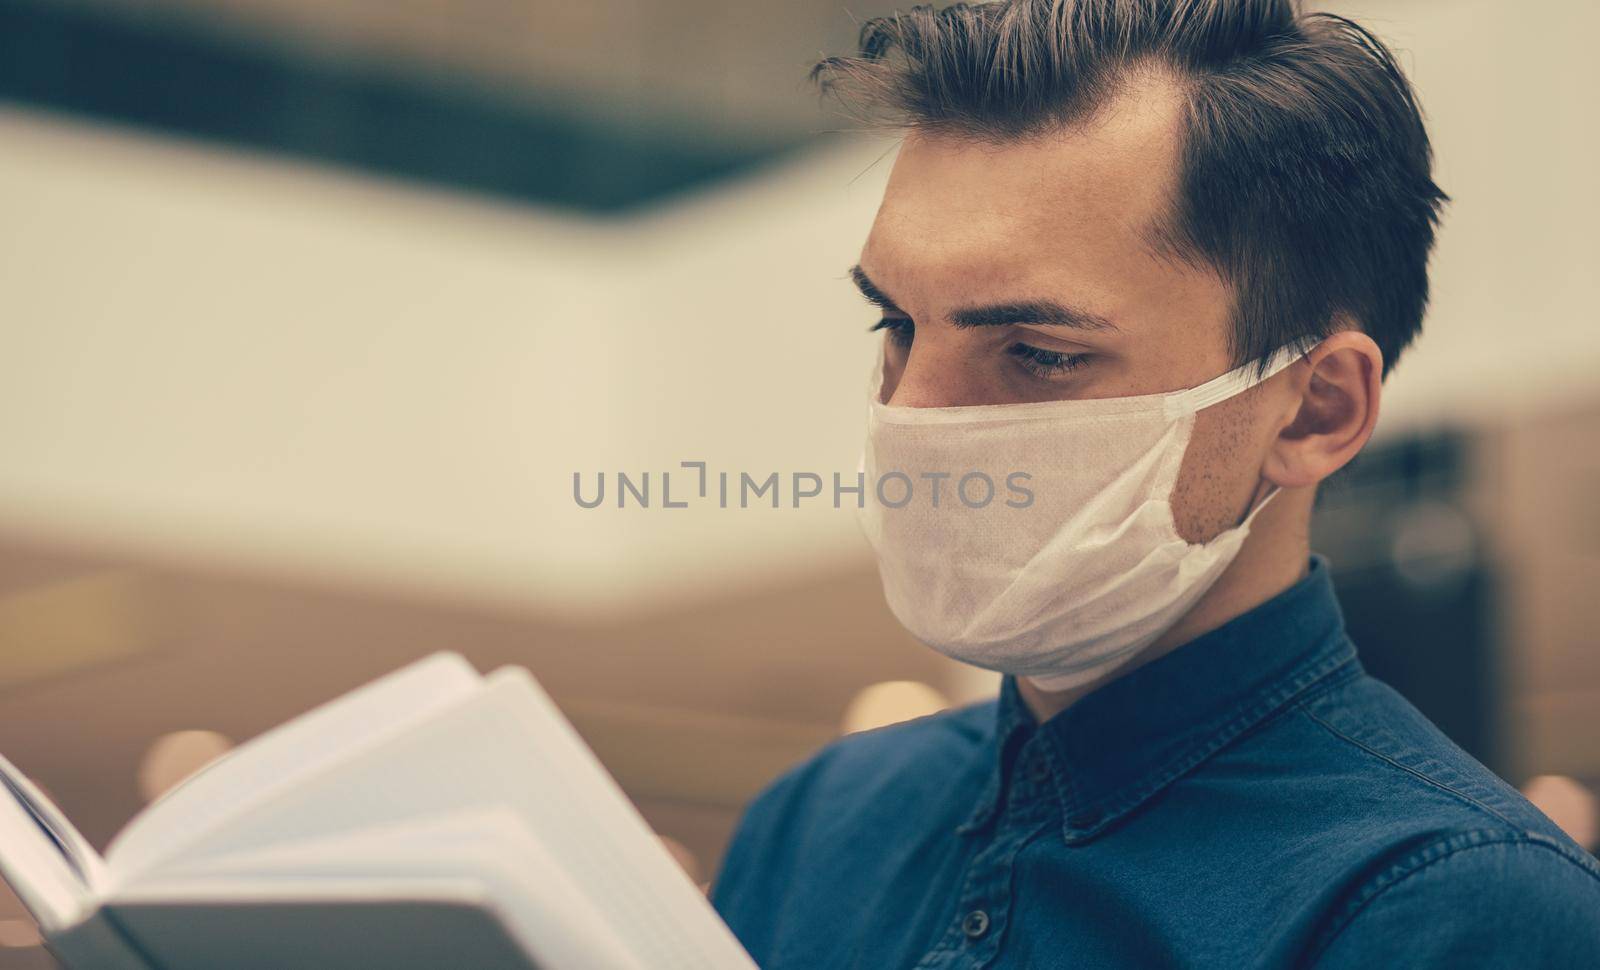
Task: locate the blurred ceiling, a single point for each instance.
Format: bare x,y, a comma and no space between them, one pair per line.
596,106
738,62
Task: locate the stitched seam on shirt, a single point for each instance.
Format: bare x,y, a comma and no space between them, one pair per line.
1338,678
1237,725
1414,864
1248,716
989,795
1463,796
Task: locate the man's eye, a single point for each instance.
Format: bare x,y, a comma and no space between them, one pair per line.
1046,363
900,329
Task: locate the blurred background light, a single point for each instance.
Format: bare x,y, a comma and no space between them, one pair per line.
175,756
1570,804
891,702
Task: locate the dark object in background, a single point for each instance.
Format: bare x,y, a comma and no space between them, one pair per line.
1416,583
166,72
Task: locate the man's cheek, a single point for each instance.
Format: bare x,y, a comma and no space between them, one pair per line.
1219,473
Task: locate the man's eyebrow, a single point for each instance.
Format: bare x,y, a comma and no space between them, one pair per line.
1030,311
870,290
1046,312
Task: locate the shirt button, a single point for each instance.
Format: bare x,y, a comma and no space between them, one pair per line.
975,924
1039,771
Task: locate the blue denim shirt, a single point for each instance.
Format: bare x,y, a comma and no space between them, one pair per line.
1253,798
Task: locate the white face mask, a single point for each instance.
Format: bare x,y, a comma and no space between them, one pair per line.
1074,563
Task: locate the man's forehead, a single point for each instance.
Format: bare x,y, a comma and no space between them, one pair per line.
1077,197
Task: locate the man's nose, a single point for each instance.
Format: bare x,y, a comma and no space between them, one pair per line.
933,379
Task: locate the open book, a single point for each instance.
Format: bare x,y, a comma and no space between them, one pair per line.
434,818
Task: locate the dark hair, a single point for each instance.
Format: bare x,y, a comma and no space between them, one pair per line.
1305,166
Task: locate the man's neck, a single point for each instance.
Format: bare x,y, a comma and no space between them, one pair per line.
1273,558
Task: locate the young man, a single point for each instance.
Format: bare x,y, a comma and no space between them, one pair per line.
1148,261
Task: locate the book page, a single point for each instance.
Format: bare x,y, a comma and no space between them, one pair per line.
506,746
49,865
278,757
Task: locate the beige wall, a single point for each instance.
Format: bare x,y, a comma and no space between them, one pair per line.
223,358
1508,91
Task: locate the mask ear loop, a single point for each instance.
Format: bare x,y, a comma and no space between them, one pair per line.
1249,516
1236,381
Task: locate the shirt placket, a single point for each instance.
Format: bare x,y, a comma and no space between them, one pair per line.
978,923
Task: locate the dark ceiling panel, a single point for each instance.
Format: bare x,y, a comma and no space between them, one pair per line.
366,113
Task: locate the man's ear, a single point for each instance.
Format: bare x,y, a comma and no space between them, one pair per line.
1338,385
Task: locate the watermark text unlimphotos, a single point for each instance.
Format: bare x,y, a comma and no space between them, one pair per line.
695,484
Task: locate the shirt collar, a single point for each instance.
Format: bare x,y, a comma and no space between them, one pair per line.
1123,742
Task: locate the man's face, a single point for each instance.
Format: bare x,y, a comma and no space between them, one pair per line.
1025,272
